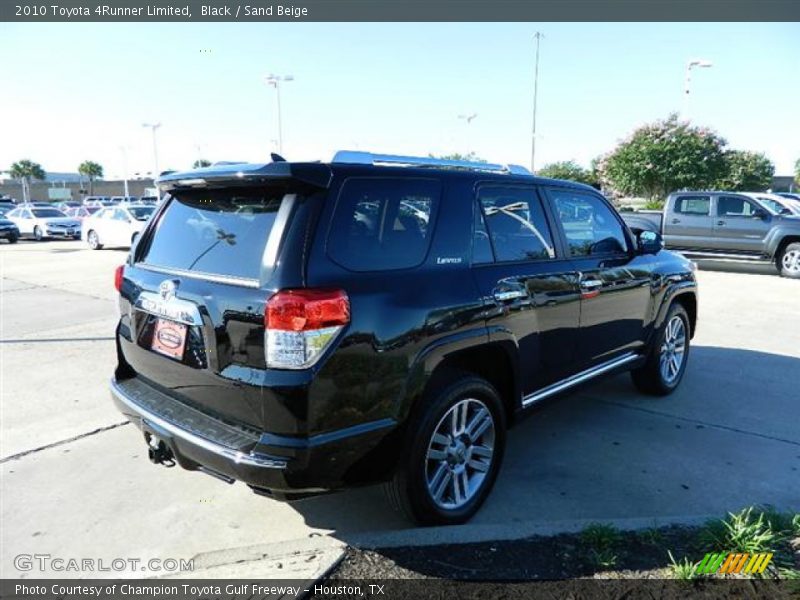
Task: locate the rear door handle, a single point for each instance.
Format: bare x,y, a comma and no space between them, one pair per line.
509,295
720,223
591,284
675,221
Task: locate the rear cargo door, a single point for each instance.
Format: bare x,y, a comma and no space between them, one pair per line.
201,277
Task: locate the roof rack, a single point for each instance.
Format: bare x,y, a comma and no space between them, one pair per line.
369,158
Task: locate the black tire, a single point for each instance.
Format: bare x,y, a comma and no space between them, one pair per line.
788,262
12,239
93,240
76,237
408,491
37,233
651,378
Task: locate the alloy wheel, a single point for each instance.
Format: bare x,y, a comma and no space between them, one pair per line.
673,349
460,453
791,261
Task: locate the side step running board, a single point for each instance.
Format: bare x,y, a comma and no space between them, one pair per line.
586,375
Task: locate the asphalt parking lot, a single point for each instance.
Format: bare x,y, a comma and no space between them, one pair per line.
76,482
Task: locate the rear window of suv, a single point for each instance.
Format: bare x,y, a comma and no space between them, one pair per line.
383,224
218,232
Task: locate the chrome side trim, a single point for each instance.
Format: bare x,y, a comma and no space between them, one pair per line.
240,281
236,456
565,384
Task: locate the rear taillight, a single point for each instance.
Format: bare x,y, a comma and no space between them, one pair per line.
118,275
300,324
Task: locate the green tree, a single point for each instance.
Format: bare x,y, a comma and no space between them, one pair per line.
664,156
26,171
569,170
91,170
746,171
200,163
797,171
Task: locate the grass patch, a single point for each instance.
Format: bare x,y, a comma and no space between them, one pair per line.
683,569
600,543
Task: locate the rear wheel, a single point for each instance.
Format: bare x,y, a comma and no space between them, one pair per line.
37,233
789,261
452,455
93,240
12,239
667,361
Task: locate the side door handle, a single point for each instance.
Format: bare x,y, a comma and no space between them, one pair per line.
509,295
675,221
721,223
591,284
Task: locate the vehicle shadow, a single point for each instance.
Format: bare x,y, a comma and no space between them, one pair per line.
727,438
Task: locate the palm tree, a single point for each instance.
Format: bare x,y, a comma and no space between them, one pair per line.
25,171
200,163
92,171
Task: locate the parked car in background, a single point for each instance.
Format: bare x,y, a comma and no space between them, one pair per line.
40,223
6,208
65,204
776,204
725,225
97,201
148,200
115,226
306,327
81,212
790,195
37,204
8,231
124,199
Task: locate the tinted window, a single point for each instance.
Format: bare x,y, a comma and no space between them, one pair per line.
141,213
481,246
221,232
734,206
48,213
382,224
589,224
693,205
516,222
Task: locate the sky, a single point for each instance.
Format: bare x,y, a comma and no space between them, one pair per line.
81,91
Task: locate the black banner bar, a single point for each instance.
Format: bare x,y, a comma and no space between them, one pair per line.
398,10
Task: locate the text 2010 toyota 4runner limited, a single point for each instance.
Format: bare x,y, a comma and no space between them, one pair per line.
304,327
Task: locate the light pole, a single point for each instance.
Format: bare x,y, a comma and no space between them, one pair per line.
538,37
703,64
275,81
124,151
153,127
468,118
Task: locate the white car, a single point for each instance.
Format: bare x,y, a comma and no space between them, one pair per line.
777,204
40,223
115,225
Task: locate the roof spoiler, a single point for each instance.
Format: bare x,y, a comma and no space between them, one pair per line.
315,174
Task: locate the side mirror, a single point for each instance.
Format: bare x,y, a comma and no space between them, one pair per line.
759,214
649,242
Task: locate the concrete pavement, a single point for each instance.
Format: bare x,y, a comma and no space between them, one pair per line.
75,483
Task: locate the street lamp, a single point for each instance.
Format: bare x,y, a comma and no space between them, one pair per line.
124,151
275,81
538,37
153,127
701,63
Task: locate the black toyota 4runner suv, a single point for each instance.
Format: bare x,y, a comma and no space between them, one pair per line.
304,327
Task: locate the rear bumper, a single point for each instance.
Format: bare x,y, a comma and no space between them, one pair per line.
271,463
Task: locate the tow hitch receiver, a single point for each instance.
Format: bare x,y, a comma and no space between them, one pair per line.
158,451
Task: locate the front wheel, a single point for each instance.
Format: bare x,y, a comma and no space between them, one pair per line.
667,361
789,261
93,240
12,239
37,234
452,455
